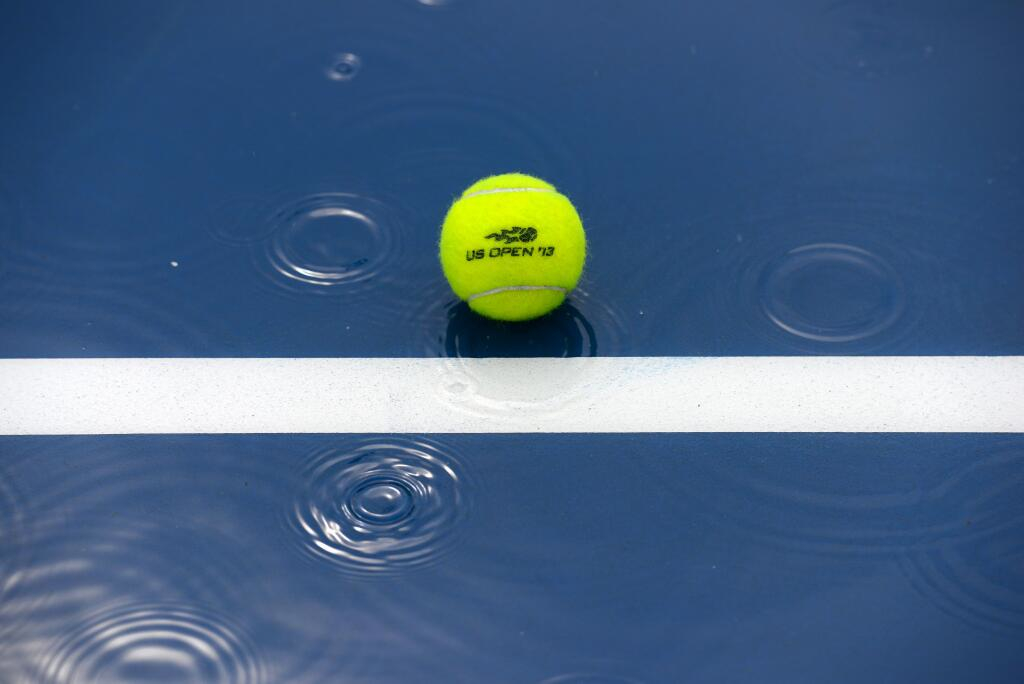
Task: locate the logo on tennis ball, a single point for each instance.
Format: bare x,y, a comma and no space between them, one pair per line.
508,236
514,234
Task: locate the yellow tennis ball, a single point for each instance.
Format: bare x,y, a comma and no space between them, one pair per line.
512,247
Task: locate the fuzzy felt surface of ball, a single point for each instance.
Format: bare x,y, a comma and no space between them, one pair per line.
512,247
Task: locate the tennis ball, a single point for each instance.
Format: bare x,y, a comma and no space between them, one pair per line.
512,247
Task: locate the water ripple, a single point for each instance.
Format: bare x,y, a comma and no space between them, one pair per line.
240,219
588,324
62,319
94,560
81,276
330,243
13,557
976,573
825,297
564,333
788,495
435,3
101,232
344,67
435,143
833,265
380,507
798,292
589,678
395,49
111,527
153,642
135,520
295,61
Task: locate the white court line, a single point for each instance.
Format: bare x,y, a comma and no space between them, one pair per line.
648,394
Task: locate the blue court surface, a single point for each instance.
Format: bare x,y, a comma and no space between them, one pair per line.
249,435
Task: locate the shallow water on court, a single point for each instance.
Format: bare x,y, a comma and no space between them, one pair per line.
311,557
229,180
377,507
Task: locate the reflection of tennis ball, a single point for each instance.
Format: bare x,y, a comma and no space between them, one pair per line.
512,247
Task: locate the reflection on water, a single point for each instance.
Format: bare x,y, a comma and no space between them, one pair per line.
260,180
587,324
975,570
377,507
407,558
166,643
12,543
435,142
839,265
801,291
330,243
344,67
584,678
798,495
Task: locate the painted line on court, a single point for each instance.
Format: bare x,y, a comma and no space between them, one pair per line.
614,394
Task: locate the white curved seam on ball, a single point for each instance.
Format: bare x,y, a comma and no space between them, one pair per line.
517,288
495,191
